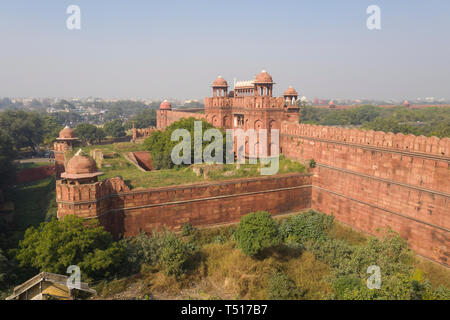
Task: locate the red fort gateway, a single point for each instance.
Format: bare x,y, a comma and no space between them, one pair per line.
369,180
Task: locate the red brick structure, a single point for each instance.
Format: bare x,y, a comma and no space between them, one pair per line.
142,132
126,212
35,174
63,143
368,180
372,180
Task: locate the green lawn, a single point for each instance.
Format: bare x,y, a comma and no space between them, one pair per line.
28,165
115,164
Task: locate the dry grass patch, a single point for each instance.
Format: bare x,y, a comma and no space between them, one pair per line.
247,278
437,275
343,232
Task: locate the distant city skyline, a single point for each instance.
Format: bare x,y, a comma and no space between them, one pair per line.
159,50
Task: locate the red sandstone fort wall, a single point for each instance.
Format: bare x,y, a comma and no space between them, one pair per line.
34,174
371,180
128,212
166,117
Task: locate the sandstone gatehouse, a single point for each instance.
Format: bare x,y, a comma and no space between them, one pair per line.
367,179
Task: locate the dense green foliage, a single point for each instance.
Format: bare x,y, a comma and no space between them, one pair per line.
257,231
114,129
349,263
281,287
89,133
7,154
162,249
305,227
4,268
145,119
174,255
160,145
57,244
433,121
26,129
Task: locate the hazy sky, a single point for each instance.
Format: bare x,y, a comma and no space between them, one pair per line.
175,49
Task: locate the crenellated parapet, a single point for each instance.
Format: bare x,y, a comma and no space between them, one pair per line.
399,141
89,200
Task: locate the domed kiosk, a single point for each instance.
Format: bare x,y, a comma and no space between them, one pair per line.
290,95
81,169
65,141
66,134
220,87
263,84
165,105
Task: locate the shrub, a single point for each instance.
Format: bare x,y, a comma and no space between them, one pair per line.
257,231
307,226
141,250
174,255
344,284
390,253
335,253
187,229
281,287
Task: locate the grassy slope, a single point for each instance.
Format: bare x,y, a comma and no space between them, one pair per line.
33,203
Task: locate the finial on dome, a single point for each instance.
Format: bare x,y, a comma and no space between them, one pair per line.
80,153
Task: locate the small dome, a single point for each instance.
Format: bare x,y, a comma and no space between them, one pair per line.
406,103
331,104
263,77
165,105
66,133
290,92
220,82
81,164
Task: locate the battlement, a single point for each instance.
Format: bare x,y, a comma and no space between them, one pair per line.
399,141
143,132
87,200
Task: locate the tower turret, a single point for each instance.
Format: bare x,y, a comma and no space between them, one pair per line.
63,143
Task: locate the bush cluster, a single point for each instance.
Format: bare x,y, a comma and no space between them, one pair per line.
257,231
162,249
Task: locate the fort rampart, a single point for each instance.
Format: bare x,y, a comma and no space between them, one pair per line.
34,174
373,180
126,212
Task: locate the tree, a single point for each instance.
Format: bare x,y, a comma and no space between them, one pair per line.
89,133
114,129
160,146
3,270
57,244
51,129
257,231
7,153
25,128
145,119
